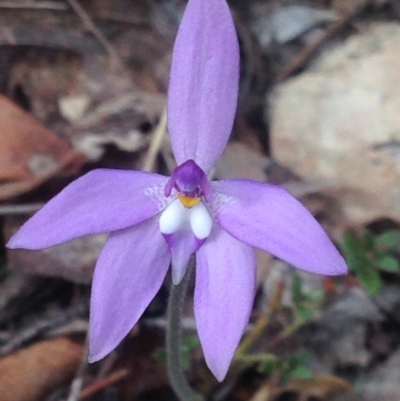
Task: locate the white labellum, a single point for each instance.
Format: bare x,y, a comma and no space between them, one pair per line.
176,217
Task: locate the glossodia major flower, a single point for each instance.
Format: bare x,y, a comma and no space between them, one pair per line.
155,220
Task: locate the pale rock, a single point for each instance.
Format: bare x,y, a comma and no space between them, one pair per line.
73,107
383,382
339,123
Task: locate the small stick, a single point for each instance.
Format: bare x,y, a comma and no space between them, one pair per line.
102,384
41,327
262,323
77,383
187,323
37,5
96,32
26,208
156,142
299,60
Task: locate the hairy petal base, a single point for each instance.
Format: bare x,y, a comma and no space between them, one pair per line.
99,202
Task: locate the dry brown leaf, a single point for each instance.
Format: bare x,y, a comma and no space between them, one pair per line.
73,260
34,372
321,386
30,153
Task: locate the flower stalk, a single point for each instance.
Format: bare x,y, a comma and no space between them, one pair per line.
174,356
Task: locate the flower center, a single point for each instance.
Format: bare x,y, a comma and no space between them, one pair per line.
189,212
188,201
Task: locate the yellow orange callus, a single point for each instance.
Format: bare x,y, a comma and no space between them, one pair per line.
187,201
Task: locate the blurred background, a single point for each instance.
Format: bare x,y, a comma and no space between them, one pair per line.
83,85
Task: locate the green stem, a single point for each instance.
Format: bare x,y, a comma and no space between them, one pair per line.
174,358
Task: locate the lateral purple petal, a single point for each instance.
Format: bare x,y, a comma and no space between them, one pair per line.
128,274
224,295
204,81
100,201
268,217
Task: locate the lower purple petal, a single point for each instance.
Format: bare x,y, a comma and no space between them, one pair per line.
268,217
99,202
182,245
224,295
128,274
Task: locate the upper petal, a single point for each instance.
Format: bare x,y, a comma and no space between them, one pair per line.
128,274
100,201
268,217
224,295
204,81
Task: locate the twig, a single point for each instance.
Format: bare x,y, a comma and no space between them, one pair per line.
26,208
102,384
96,32
262,323
37,5
77,383
241,353
187,323
33,331
286,333
301,59
156,142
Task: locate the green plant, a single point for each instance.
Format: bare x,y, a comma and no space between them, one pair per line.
369,255
305,302
188,346
292,366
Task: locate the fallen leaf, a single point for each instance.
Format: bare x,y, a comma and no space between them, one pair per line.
73,260
321,386
30,154
31,374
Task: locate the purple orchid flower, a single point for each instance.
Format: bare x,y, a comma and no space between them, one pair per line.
153,220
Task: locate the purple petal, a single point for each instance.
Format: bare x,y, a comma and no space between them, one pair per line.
268,217
204,81
128,274
182,245
100,201
224,294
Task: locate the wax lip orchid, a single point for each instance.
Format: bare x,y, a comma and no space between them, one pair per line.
155,220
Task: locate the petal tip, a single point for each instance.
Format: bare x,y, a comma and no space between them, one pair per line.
96,356
16,242
93,358
336,267
218,368
177,275
12,244
220,375
342,268
101,352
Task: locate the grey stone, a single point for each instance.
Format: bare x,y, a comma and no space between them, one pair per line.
339,123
